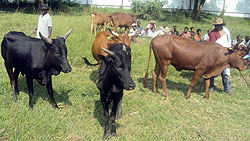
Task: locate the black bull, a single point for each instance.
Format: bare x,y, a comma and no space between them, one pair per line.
36,58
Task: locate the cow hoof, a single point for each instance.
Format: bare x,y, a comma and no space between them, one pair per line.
30,108
105,136
113,134
187,97
119,116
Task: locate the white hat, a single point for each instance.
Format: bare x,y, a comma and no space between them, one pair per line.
134,24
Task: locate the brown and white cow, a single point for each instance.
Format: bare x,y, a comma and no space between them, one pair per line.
205,59
99,19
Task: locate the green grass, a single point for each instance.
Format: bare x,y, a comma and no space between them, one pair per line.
146,115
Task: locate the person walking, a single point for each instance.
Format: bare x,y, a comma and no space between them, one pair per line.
44,25
221,35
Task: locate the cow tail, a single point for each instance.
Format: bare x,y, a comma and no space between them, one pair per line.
146,75
88,63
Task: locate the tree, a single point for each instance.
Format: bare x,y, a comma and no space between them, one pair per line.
197,9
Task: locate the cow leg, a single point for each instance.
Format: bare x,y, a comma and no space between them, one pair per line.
51,93
196,76
119,109
12,80
113,115
92,23
207,84
95,28
162,77
155,75
16,74
106,116
29,81
104,27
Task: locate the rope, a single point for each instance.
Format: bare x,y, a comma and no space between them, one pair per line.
244,79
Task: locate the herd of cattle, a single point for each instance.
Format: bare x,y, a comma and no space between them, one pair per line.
41,58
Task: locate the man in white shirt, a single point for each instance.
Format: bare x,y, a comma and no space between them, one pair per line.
44,23
221,35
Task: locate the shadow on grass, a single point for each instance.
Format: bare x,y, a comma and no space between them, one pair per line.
98,113
180,86
94,75
41,92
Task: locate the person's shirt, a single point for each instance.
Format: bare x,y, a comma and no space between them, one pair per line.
175,32
192,35
152,34
206,38
246,43
150,26
44,22
165,30
132,31
141,28
222,37
186,35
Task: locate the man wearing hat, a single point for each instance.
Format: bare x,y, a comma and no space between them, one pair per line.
44,23
221,35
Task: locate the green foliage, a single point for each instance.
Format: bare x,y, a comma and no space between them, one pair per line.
148,9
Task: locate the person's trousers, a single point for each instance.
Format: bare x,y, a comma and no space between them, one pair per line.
225,80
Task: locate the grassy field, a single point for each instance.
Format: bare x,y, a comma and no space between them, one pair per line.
146,115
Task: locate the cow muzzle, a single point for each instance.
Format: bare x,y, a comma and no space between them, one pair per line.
130,86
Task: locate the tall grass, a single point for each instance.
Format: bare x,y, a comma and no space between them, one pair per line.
146,116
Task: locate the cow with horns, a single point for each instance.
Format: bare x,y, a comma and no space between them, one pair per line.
36,58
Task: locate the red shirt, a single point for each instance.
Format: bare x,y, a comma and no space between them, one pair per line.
213,36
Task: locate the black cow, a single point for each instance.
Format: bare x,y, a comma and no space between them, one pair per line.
114,76
36,58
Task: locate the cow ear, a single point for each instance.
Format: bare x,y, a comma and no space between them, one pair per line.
101,57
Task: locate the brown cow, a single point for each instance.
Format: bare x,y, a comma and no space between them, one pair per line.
123,20
99,19
105,39
205,59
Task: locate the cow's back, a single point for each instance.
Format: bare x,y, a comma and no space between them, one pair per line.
121,19
22,52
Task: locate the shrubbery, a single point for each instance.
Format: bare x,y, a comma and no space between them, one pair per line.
148,9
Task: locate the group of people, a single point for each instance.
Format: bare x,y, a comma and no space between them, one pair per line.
151,31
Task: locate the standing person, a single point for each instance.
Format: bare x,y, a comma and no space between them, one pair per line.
186,34
44,23
206,36
175,32
141,31
221,35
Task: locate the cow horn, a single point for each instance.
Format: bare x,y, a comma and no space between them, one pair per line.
108,51
67,34
47,40
124,48
113,33
131,34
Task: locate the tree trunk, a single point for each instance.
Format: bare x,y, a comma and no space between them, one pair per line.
200,9
197,11
190,3
37,4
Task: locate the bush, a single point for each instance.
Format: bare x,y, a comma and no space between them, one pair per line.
148,9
